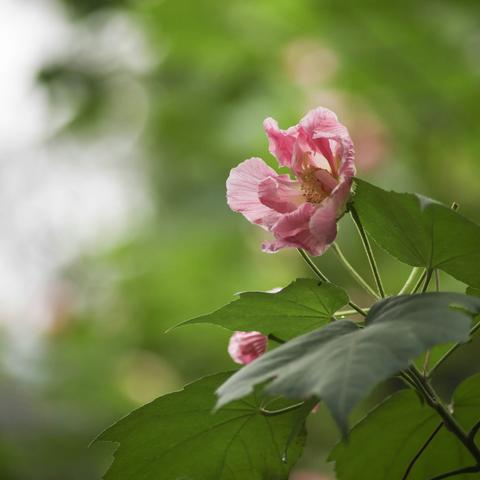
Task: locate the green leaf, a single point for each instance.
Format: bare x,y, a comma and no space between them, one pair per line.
178,437
341,363
474,292
298,308
420,231
386,440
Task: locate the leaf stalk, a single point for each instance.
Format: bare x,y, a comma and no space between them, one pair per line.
368,250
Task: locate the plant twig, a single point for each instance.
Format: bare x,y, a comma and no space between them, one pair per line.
453,473
426,362
420,452
449,352
421,280
449,420
428,277
276,339
361,281
473,432
322,277
312,265
407,287
343,313
368,250
281,411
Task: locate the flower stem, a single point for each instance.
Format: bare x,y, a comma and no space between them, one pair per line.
276,339
421,280
312,265
428,277
368,250
322,277
353,272
407,288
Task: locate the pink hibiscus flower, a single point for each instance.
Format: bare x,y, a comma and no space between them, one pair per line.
245,347
301,212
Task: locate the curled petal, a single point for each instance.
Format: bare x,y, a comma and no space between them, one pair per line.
295,222
331,138
245,347
280,193
323,123
323,223
243,192
293,230
281,143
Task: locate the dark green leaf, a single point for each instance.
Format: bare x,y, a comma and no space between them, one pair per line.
302,306
474,292
178,437
420,231
384,442
341,363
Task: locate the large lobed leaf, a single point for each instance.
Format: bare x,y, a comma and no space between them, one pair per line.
420,231
341,362
385,441
177,437
298,308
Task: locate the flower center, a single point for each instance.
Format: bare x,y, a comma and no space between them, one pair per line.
312,188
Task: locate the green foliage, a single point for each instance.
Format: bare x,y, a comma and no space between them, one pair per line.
298,308
341,363
418,231
384,443
473,291
177,436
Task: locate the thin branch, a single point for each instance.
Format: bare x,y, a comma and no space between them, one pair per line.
426,362
407,287
473,330
344,313
276,339
281,411
453,473
449,420
368,251
420,452
322,277
361,281
421,280
473,432
428,277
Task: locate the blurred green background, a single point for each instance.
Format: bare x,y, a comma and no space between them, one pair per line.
172,93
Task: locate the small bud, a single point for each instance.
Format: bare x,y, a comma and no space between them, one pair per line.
245,347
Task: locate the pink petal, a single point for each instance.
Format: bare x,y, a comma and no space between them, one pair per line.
331,139
293,223
280,193
243,192
323,123
244,347
323,223
280,142
293,230
347,165
328,182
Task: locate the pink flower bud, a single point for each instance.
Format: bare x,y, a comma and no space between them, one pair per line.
245,347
